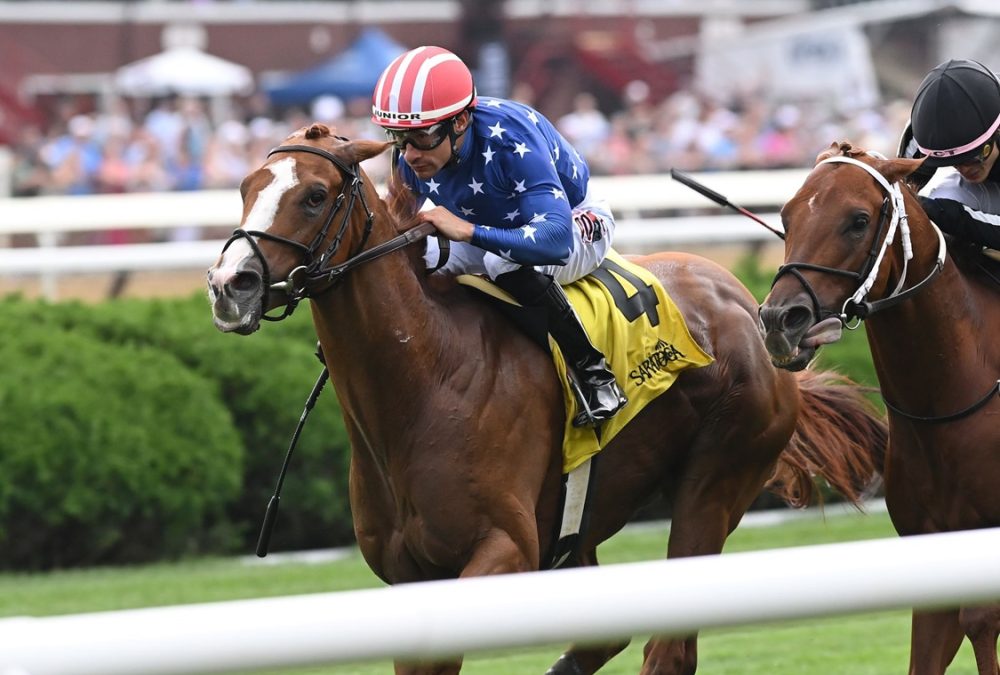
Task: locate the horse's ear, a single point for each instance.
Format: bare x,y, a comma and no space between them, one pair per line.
832,151
898,169
361,150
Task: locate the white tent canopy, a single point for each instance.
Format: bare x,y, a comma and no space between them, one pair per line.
183,70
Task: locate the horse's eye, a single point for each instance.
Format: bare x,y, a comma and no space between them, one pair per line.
316,198
860,223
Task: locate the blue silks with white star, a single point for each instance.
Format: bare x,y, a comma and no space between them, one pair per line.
517,180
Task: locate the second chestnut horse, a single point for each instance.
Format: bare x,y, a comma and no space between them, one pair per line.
858,246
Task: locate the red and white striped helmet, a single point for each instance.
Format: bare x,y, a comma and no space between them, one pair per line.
422,87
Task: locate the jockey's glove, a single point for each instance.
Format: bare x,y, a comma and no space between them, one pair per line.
953,219
944,212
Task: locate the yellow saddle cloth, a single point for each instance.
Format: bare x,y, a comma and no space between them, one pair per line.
631,319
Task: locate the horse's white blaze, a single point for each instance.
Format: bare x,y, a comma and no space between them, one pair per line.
261,216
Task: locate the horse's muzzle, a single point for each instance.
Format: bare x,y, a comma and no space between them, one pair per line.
236,296
792,335
784,329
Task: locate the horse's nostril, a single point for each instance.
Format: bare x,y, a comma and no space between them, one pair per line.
797,317
244,282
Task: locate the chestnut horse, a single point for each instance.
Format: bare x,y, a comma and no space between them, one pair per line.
456,417
859,247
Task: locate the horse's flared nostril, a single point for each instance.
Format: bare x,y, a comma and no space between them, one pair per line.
796,318
243,283
785,319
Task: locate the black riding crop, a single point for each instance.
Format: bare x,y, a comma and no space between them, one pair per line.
687,180
272,505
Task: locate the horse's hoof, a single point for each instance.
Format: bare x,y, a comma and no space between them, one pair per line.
566,665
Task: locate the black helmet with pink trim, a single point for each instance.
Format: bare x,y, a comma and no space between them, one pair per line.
956,112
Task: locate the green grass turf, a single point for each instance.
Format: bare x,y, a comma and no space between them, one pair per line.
864,644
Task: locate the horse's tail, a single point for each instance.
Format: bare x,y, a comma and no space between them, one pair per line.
840,436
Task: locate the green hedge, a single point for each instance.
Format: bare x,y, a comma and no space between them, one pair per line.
164,384
108,454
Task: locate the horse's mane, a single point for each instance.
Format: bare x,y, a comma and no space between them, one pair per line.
838,148
318,131
400,200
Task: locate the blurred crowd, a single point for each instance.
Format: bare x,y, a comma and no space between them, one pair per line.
180,144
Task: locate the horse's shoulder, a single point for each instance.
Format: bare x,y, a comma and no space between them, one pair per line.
713,301
696,280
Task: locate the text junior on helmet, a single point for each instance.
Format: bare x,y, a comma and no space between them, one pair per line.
509,191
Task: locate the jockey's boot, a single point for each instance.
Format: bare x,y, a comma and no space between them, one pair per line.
601,396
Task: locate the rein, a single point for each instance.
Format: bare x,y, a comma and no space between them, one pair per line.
995,389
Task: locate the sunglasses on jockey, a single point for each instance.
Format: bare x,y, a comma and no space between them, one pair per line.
421,139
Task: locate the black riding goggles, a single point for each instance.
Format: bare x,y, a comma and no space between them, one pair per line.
981,156
421,139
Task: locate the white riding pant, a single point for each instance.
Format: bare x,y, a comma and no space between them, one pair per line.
593,231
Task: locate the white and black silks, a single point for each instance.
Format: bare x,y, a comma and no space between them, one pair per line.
968,211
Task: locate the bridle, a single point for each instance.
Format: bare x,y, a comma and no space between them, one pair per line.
314,277
892,217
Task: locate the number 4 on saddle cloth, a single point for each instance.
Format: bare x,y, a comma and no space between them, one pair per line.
631,319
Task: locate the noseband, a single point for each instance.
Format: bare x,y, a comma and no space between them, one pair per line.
891,216
312,276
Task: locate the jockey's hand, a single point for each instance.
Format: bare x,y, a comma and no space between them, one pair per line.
946,214
448,224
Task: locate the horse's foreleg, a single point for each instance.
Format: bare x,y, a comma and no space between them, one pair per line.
934,639
694,530
585,660
982,625
503,552
496,553
706,508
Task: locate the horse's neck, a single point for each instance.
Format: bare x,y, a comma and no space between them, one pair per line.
386,341
923,336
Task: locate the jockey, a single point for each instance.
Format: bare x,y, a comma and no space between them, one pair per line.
509,191
954,122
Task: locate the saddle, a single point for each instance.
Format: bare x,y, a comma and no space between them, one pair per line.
976,260
990,263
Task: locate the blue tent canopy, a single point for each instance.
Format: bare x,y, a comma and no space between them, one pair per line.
352,73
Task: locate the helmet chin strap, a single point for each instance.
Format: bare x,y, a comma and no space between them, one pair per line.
453,136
